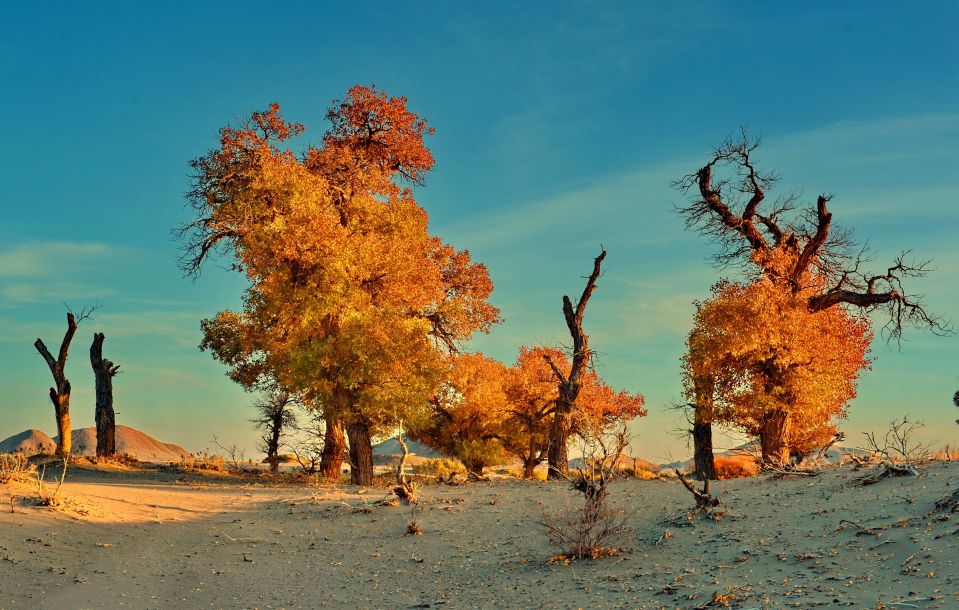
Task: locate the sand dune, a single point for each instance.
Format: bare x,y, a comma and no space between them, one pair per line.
29,442
128,440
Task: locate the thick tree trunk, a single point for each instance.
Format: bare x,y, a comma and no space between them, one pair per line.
703,432
361,454
61,407
334,444
703,451
558,453
104,371
774,438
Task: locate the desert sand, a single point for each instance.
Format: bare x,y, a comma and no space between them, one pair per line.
154,538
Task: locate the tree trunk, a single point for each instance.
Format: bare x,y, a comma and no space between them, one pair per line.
703,451
60,394
104,371
334,444
361,454
529,468
774,438
558,453
61,407
273,442
571,383
703,432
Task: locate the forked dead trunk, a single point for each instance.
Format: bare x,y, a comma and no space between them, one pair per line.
361,454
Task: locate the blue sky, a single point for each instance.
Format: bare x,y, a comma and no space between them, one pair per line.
559,127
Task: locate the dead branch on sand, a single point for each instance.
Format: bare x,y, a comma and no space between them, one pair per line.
898,455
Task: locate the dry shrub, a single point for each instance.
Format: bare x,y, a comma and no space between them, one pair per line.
736,466
946,454
588,532
440,468
15,468
202,462
897,453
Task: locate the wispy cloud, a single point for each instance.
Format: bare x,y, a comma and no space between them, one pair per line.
46,258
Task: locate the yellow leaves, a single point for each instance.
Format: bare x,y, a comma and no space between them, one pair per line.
349,293
763,350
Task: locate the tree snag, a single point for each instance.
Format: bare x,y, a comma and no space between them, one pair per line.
570,384
60,393
104,371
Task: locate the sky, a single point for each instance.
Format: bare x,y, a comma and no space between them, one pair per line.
559,127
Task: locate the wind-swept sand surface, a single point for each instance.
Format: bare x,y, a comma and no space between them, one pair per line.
160,540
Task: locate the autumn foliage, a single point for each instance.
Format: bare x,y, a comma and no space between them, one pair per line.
776,370
351,301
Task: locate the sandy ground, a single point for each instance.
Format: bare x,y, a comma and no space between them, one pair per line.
155,540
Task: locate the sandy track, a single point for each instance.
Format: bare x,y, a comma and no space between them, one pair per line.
153,542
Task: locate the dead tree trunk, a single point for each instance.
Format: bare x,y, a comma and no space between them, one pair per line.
334,444
361,454
104,371
570,384
703,432
60,393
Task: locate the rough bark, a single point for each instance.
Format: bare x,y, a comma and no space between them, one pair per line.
703,458
361,454
529,468
273,441
104,371
569,385
774,438
60,393
334,444
703,451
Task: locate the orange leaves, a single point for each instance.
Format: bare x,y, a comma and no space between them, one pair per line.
351,300
762,351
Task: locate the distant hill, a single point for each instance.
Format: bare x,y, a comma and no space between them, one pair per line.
834,455
30,442
129,440
391,448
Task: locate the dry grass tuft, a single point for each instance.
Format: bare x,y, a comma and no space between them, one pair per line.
736,466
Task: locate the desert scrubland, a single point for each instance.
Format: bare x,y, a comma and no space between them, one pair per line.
149,537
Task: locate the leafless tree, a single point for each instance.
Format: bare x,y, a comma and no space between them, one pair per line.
803,251
60,393
570,382
275,417
104,371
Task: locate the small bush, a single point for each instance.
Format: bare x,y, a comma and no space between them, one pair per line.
735,466
439,467
15,468
202,462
